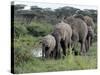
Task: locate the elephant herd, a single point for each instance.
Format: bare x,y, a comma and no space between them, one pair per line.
65,36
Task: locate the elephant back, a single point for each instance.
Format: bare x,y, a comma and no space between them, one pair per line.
78,26
63,29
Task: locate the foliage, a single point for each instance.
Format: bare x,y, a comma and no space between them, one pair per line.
65,11
50,15
19,30
70,62
39,29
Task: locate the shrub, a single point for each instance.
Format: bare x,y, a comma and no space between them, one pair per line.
39,29
19,30
23,48
22,53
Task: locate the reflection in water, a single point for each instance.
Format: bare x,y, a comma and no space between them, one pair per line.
37,52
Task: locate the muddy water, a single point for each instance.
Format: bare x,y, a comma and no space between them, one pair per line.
37,52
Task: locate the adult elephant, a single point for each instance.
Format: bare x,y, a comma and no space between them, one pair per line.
62,33
89,38
89,21
91,26
79,32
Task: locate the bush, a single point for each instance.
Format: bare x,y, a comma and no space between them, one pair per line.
23,47
19,30
39,29
22,52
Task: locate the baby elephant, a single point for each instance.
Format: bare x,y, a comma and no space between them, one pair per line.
48,46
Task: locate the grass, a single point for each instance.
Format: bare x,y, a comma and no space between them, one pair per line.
70,62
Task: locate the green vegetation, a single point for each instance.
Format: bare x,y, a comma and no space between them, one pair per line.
70,62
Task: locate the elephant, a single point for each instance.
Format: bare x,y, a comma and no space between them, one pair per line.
79,32
89,21
62,33
89,38
48,46
91,26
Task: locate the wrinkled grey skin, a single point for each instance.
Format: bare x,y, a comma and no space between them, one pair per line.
79,32
91,26
62,33
89,38
89,21
48,46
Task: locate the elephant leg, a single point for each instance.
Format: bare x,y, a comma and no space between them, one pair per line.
86,45
75,39
63,45
43,52
54,54
58,47
89,40
59,54
83,51
69,46
51,54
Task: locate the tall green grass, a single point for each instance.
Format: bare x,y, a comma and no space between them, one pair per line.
70,62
